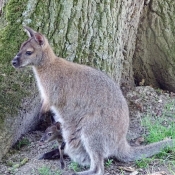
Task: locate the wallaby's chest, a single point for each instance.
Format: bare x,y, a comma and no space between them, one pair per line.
41,88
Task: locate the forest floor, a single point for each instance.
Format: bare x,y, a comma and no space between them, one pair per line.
144,102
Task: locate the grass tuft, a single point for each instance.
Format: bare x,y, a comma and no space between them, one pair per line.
44,170
75,167
159,128
108,163
21,143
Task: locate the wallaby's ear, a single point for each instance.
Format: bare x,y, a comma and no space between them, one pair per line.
30,32
52,119
54,123
38,37
57,124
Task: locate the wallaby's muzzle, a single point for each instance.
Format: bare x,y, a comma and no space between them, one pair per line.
16,62
41,141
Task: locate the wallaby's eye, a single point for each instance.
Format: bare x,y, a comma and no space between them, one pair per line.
28,52
49,134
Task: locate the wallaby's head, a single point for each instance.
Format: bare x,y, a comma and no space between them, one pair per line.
51,133
31,51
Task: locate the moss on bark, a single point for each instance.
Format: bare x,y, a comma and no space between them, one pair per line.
12,90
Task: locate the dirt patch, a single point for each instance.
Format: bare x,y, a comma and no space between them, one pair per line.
141,101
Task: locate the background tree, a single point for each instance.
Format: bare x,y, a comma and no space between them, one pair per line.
154,58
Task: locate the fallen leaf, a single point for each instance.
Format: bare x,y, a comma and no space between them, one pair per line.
142,82
167,138
139,140
172,94
139,106
134,173
158,173
129,169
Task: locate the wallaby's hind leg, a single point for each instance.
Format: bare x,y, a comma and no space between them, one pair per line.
96,167
95,154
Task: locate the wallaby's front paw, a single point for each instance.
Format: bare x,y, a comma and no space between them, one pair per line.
41,157
54,154
63,145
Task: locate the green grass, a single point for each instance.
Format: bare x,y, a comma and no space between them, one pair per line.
14,166
21,143
159,128
44,170
75,167
144,163
108,162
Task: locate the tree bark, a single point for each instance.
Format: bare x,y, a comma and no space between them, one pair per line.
19,101
154,58
98,33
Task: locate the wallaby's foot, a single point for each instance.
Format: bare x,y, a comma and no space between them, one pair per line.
62,165
54,154
90,172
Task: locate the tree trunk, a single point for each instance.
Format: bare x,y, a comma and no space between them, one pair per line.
18,108
98,33
154,58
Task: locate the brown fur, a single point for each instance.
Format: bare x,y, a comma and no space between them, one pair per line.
53,132
89,105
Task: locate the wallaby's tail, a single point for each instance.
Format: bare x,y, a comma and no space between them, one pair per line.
140,152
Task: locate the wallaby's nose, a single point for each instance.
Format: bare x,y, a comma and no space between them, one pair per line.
15,62
42,140
40,143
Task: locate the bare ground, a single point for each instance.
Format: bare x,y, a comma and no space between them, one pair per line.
142,100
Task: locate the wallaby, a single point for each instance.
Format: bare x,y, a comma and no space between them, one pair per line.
53,132
90,106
